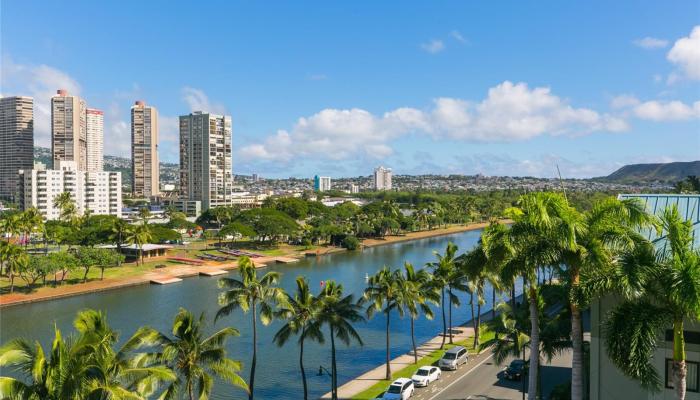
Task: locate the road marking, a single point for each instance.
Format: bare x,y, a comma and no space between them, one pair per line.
465,374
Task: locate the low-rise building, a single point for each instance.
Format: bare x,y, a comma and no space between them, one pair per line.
99,192
191,208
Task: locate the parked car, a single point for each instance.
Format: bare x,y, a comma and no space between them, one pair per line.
453,358
515,370
425,376
401,389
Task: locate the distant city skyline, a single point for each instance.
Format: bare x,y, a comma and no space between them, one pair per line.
497,89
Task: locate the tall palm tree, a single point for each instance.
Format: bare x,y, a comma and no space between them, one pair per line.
120,232
197,358
249,293
65,203
139,235
144,214
448,279
416,290
338,312
301,315
383,293
542,227
30,221
661,289
12,257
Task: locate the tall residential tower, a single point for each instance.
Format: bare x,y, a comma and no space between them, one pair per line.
382,178
95,139
145,178
205,159
16,141
68,129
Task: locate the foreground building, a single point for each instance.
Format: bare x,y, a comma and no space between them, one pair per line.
606,381
100,192
205,159
382,178
145,177
68,129
94,120
16,142
322,183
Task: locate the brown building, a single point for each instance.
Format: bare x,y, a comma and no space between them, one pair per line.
68,129
16,142
145,179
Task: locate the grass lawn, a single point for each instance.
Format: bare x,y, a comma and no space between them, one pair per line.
430,359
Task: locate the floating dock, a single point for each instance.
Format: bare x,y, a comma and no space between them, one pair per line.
166,280
286,260
213,272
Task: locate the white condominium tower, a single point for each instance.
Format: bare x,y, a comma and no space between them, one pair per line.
16,141
145,179
100,192
382,178
68,129
95,139
205,159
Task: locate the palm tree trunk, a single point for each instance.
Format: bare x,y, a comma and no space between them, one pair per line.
478,325
12,279
450,309
534,346
493,302
255,353
190,390
388,363
301,363
413,341
471,305
334,389
680,369
444,325
577,361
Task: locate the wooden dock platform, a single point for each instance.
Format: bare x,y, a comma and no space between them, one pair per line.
213,272
286,260
166,280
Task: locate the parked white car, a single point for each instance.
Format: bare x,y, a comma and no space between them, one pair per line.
425,376
401,389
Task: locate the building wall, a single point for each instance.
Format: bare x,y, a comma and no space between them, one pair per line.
382,178
95,139
16,142
145,181
68,129
205,159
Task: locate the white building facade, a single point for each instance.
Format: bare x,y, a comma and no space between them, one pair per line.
382,178
95,139
97,191
68,129
322,183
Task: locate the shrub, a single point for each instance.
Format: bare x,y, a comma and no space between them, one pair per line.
351,243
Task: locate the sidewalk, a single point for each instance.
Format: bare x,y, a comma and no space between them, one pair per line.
377,375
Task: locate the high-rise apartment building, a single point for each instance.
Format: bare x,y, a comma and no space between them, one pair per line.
145,180
16,142
100,192
68,129
322,183
382,178
95,139
205,159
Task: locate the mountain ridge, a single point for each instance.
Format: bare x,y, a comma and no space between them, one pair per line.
664,172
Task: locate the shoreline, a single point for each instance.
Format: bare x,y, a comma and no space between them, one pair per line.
185,271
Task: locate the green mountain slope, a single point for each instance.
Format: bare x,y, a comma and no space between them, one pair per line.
667,172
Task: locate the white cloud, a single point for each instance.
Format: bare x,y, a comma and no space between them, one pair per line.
685,54
197,100
41,83
624,101
456,35
433,47
651,43
510,112
667,111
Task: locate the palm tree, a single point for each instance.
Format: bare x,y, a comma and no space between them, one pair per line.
339,313
542,227
247,294
446,277
30,221
415,291
660,288
139,235
301,315
144,214
13,257
64,202
120,231
197,358
383,292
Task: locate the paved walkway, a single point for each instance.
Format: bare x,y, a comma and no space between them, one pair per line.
377,375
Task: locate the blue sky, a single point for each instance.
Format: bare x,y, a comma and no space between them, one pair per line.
335,88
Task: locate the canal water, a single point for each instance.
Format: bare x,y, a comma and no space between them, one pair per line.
278,375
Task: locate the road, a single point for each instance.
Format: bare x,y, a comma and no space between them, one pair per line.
481,376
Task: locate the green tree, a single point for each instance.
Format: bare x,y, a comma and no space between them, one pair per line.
338,312
139,235
235,229
249,293
197,358
301,315
121,230
416,291
383,292
447,279
66,205
14,258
